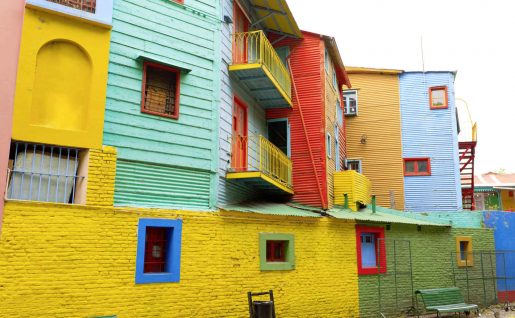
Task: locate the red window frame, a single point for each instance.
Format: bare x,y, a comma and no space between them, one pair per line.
416,172
380,249
173,70
156,237
438,88
271,247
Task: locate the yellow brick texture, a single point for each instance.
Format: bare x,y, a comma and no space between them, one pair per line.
79,261
101,176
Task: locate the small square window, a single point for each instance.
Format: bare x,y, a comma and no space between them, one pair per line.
464,252
354,164
276,251
161,90
350,102
159,251
371,250
438,97
417,167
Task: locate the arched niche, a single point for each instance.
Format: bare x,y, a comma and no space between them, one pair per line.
62,85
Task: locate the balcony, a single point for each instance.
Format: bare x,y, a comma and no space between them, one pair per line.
355,185
258,66
259,163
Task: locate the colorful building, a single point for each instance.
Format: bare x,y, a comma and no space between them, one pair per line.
11,16
374,143
495,191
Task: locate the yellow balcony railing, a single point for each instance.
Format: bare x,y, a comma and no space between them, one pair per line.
254,48
474,132
258,154
355,185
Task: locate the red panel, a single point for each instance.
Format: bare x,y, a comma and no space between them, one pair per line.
508,295
380,247
309,172
156,245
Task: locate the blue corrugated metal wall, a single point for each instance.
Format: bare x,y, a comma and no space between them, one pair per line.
233,191
175,35
433,134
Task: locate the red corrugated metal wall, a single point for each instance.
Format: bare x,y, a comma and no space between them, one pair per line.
307,65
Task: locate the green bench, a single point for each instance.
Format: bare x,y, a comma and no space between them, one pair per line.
445,300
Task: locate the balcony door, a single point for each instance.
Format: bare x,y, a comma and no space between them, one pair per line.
239,136
241,40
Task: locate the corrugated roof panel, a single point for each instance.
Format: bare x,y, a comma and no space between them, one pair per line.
276,16
271,209
383,215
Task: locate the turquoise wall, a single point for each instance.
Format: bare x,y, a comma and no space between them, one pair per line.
186,36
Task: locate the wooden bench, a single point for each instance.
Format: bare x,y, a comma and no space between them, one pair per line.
445,300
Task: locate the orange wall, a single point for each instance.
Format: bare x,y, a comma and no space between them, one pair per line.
11,15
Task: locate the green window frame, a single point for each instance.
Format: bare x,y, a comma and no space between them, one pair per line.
289,263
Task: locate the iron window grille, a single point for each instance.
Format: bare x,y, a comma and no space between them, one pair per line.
160,90
39,172
83,5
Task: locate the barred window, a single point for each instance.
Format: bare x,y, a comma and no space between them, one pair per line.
160,90
83,5
45,173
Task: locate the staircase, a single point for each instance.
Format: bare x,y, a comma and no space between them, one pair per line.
467,155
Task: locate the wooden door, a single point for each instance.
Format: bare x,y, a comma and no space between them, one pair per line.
239,136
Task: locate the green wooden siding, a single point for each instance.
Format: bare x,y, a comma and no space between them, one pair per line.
147,185
185,36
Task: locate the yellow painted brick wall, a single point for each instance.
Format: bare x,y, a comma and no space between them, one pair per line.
79,261
101,176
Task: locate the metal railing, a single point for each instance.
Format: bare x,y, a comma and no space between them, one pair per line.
83,5
256,153
474,132
43,173
254,48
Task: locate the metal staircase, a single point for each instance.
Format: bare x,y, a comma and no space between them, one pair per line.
467,155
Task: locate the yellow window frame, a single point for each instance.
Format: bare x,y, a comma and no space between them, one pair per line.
469,261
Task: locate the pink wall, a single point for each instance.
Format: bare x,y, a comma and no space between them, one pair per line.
11,15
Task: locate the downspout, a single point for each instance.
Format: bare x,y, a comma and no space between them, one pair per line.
324,203
373,203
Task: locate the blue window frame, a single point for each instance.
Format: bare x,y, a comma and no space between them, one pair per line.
170,250
337,162
339,113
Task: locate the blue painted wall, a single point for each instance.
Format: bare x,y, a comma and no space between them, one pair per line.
433,134
180,156
503,224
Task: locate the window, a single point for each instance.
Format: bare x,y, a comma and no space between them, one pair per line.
283,52
371,250
438,97
337,161
350,102
464,253
158,256
161,90
279,134
46,173
335,80
328,146
417,167
276,251
354,164
339,113
83,5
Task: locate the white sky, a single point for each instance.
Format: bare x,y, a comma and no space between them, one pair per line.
476,38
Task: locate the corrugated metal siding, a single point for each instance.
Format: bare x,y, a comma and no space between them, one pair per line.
331,96
187,40
355,185
234,191
379,119
307,64
433,134
148,185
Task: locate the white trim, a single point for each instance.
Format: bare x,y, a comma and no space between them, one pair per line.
328,145
103,12
360,164
346,106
